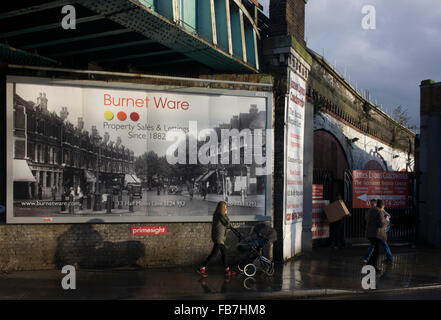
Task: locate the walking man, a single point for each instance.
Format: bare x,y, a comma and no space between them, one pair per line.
376,232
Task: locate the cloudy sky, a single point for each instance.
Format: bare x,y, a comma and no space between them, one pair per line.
390,61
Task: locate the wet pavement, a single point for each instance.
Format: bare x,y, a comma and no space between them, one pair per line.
323,273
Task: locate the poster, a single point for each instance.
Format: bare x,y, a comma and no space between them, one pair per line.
317,192
320,223
294,150
82,153
390,186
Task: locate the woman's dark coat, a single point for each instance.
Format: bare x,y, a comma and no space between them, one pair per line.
219,228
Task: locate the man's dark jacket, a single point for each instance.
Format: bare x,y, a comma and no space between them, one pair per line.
376,224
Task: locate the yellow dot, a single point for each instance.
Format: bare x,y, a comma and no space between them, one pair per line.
108,115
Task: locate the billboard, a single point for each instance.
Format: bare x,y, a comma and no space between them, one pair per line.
390,186
89,151
295,123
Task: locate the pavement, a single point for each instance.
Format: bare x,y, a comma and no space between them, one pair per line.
323,274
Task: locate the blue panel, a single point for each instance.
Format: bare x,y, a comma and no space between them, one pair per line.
165,8
204,20
187,9
221,24
236,34
249,43
148,3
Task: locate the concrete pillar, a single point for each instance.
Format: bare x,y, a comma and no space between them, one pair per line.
293,193
308,168
429,164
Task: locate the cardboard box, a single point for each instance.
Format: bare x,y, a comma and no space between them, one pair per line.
336,211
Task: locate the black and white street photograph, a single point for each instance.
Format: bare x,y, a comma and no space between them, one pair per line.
84,157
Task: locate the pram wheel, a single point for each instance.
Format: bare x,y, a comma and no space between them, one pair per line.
267,266
270,269
250,270
249,283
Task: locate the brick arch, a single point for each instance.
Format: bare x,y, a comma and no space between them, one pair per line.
373,165
329,154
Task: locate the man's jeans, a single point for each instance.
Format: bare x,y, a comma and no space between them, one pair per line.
386,248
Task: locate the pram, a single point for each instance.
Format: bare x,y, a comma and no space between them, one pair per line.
261,234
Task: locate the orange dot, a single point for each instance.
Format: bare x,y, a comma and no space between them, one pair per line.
121,116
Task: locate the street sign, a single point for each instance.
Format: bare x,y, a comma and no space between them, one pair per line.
392,187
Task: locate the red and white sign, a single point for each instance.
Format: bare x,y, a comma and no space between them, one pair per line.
320,224
294,130
392,187
317,192
148,230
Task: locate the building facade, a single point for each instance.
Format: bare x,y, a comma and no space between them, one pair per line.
61,155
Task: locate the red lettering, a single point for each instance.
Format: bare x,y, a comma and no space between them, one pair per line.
170,104
107,101
185,105
160,103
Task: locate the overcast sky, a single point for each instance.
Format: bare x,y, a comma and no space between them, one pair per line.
390,61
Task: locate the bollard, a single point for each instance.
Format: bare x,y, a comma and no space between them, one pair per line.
109,203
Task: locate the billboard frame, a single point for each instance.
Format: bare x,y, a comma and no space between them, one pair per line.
59,81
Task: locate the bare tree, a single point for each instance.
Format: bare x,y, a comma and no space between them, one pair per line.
400,115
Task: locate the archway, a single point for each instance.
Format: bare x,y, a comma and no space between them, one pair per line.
373,165
330,164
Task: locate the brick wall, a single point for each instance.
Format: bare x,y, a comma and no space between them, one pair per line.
287,17
98,246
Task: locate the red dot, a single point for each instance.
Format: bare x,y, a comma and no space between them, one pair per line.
121,116
134,116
